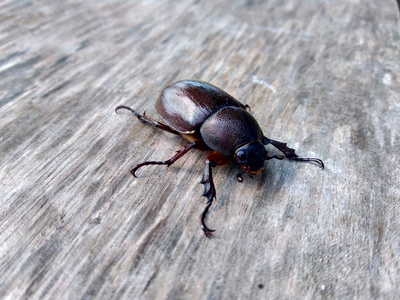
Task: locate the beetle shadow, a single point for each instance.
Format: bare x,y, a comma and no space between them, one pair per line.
266,185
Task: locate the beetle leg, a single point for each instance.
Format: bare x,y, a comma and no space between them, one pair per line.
168,162
147,120
290,153
280,157
209,192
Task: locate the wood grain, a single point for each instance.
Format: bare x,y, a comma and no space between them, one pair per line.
319,75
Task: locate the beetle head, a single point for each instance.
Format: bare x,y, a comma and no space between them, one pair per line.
251,157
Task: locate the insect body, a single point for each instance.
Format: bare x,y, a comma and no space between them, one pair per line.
212,120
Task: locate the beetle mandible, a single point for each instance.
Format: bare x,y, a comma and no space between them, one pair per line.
212,120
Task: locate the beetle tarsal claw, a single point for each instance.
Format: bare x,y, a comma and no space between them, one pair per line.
306,159
207,231
209,193
147,120
315,160
290,153
168,162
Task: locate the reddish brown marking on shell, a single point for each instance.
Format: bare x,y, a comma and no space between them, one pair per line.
218,158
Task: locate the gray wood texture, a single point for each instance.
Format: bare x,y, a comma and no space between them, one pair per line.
322,76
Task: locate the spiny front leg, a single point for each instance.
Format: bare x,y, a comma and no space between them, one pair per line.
209,192
168,162
290,153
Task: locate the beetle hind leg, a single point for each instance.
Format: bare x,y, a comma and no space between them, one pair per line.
145,119
290,153
210,193
168,162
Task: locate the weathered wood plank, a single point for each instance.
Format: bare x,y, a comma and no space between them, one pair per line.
320,75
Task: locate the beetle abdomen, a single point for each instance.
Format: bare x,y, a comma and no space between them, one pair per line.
229,128
185,105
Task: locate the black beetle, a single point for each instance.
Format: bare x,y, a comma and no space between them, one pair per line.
210,119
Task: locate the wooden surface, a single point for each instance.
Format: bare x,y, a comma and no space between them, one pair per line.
319,75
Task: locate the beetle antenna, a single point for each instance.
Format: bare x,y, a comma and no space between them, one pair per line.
290,153
210,193
168,162
143,118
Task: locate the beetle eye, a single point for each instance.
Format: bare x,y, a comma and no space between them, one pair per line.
241,156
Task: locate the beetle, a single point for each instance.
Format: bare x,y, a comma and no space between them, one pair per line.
212,120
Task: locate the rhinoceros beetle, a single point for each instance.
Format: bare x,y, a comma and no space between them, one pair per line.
212,120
